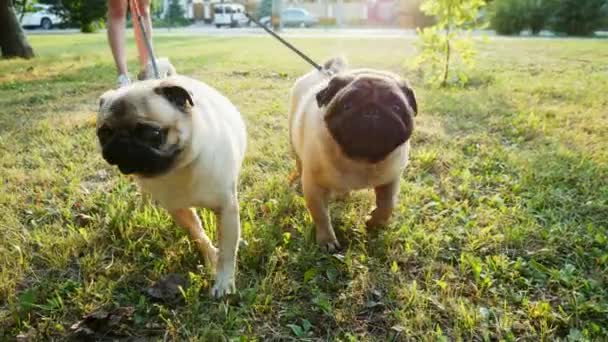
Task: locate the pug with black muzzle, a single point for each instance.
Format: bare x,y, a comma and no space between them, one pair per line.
184,144
350,131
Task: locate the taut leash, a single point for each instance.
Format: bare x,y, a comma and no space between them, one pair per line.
291,47
142,27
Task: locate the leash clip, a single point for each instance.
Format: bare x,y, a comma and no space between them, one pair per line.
328,72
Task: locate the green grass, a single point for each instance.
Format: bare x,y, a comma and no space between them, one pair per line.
500,234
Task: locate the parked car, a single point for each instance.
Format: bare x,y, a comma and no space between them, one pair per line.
41,16
227,14
293,17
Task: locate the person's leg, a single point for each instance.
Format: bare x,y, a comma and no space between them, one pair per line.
117,11
144,7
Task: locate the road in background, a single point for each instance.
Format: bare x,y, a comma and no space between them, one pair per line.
209,30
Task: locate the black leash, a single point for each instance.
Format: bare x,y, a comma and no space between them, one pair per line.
142,27
286,43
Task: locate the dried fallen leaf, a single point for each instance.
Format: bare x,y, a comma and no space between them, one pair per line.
101,323
167,289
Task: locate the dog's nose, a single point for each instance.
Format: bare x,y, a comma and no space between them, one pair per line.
115,149
109,156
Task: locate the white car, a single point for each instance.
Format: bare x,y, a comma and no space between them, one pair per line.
227,14
39,15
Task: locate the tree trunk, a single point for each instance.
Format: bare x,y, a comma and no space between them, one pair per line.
448,50
277,9
13,42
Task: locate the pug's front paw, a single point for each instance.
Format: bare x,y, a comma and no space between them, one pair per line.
328,243
224,285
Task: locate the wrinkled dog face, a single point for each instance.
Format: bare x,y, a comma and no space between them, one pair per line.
143,130
369,115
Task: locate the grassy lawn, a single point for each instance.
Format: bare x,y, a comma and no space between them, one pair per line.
501,232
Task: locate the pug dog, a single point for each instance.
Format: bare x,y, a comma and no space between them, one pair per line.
350,131
184,144
164,66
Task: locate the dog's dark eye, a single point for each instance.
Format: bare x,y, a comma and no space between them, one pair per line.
396,108
150,135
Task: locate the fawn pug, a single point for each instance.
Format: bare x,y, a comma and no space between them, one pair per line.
184,144
350,131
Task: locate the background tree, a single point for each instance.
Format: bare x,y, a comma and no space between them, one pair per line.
573,17
87,14
175,13
13,42
449,38
579,17
508,17
538,15
264,9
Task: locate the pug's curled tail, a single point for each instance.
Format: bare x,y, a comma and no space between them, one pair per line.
335,65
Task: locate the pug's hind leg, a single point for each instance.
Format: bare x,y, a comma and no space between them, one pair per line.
386,200
317,201
295,174
188,219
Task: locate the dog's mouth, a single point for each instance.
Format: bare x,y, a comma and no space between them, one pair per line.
134,155
134,158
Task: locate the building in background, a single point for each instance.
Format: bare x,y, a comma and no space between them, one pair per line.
202,10
402,13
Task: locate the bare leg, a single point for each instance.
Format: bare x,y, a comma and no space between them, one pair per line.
117,11
144,7
317,201
188,219
386,200
229,235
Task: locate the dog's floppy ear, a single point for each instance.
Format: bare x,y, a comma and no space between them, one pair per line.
176,94
410,96
325,96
